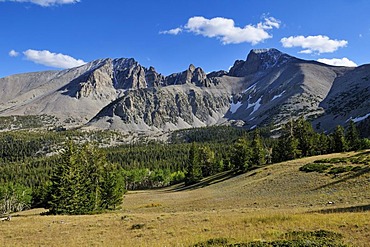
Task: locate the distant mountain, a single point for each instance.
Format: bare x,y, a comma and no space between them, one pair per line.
269,87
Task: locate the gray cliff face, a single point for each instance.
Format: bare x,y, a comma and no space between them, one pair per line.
170,107
192,75
98,83
127,74
269,87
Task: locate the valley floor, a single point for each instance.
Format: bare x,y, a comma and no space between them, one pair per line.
263,204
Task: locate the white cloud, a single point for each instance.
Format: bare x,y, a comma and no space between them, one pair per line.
225,30
13,53
308,51
338,62
310,44
56,60
44,3
174,31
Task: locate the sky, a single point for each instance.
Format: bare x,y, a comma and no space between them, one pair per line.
38,35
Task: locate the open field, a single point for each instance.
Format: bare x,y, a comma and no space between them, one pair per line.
263,204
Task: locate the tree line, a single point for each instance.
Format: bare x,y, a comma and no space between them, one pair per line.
82,178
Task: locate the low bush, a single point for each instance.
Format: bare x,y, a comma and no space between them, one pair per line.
343,169
315,167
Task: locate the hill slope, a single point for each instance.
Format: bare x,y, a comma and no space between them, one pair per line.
275,186
268,203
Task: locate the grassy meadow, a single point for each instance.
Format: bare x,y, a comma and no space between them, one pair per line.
266,204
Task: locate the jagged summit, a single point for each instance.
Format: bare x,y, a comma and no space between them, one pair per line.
267,50
130,69
259,60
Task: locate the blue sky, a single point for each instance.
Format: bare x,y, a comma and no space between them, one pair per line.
169,35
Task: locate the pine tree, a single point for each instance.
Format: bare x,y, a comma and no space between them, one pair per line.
352,137
84,182
286,147
258,152
241,155
322,145
64,184
339,140
304,133
112,187
207,161
193,170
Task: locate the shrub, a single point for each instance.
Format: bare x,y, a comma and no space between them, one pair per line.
213,242
14,198
341,169
137,226
315,167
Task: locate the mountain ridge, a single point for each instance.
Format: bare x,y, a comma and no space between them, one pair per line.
269,87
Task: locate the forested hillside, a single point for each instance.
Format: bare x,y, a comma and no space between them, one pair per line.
29,160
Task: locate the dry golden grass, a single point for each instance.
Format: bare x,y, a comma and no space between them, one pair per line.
262,204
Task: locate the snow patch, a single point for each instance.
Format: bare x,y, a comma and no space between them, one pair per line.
253,86
235,106
359,119
253,127
278,96
256,105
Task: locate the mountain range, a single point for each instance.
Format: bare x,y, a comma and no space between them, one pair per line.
268,88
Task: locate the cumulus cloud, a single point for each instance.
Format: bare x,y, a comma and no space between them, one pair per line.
174,31
311,44
338,62
44,3
56,60
13,53
225,30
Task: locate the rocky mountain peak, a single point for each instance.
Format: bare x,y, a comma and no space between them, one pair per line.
151,69
193,75
191,68
259,60
266,51
124,63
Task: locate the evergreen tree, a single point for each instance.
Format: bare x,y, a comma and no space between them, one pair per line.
112,187
352,137
241,155
84,182
286,147
305,134
207,161
258,152
322,144
193,169
339,140
65,184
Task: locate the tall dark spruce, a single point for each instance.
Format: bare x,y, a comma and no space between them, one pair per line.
84,182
